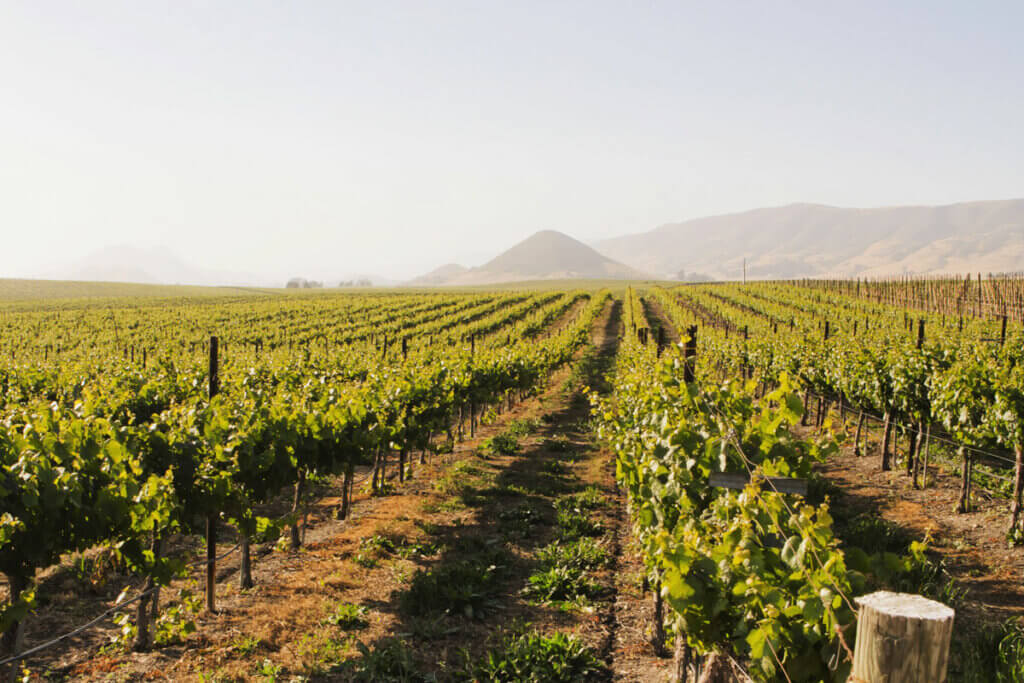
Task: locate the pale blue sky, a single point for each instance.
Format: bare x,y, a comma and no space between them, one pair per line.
390,137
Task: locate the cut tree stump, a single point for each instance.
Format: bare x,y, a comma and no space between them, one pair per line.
901,637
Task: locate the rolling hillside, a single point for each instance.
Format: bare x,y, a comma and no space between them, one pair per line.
811,239
439,276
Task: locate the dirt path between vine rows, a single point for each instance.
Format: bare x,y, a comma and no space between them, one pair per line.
632,655
656,318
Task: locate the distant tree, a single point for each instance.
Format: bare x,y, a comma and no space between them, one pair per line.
303,283
683,276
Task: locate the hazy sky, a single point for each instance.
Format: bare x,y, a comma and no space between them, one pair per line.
390,137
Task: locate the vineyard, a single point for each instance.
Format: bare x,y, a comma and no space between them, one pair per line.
638,484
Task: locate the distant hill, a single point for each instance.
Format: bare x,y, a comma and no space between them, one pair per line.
16,290
546,255
149,266
124,263
804,240
439,276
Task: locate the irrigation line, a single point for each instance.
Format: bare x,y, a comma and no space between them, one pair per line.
102,615
51,643
937,437
910,427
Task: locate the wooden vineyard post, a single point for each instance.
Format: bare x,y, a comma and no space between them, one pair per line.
142,621
346,491
1018,488
658,627
912,449
245,563
964,504
403,453
682,655
690,355
211,519
211,563
924,464
856,438
214,367
979,295
901,637
886,440
300,484
920,333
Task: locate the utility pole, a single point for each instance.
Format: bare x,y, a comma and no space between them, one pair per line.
744,270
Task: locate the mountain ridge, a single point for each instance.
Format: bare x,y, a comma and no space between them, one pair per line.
807,240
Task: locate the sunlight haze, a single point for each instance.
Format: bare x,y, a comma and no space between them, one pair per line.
387,138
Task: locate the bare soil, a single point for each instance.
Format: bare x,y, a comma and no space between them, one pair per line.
972,545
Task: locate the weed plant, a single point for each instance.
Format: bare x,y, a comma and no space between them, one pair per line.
501,444
348,616
531,656
466,584
583,553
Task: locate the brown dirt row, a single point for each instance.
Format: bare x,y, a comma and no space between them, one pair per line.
973,545
632,655
656,316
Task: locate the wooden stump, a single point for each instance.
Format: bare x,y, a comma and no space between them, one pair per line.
901,637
